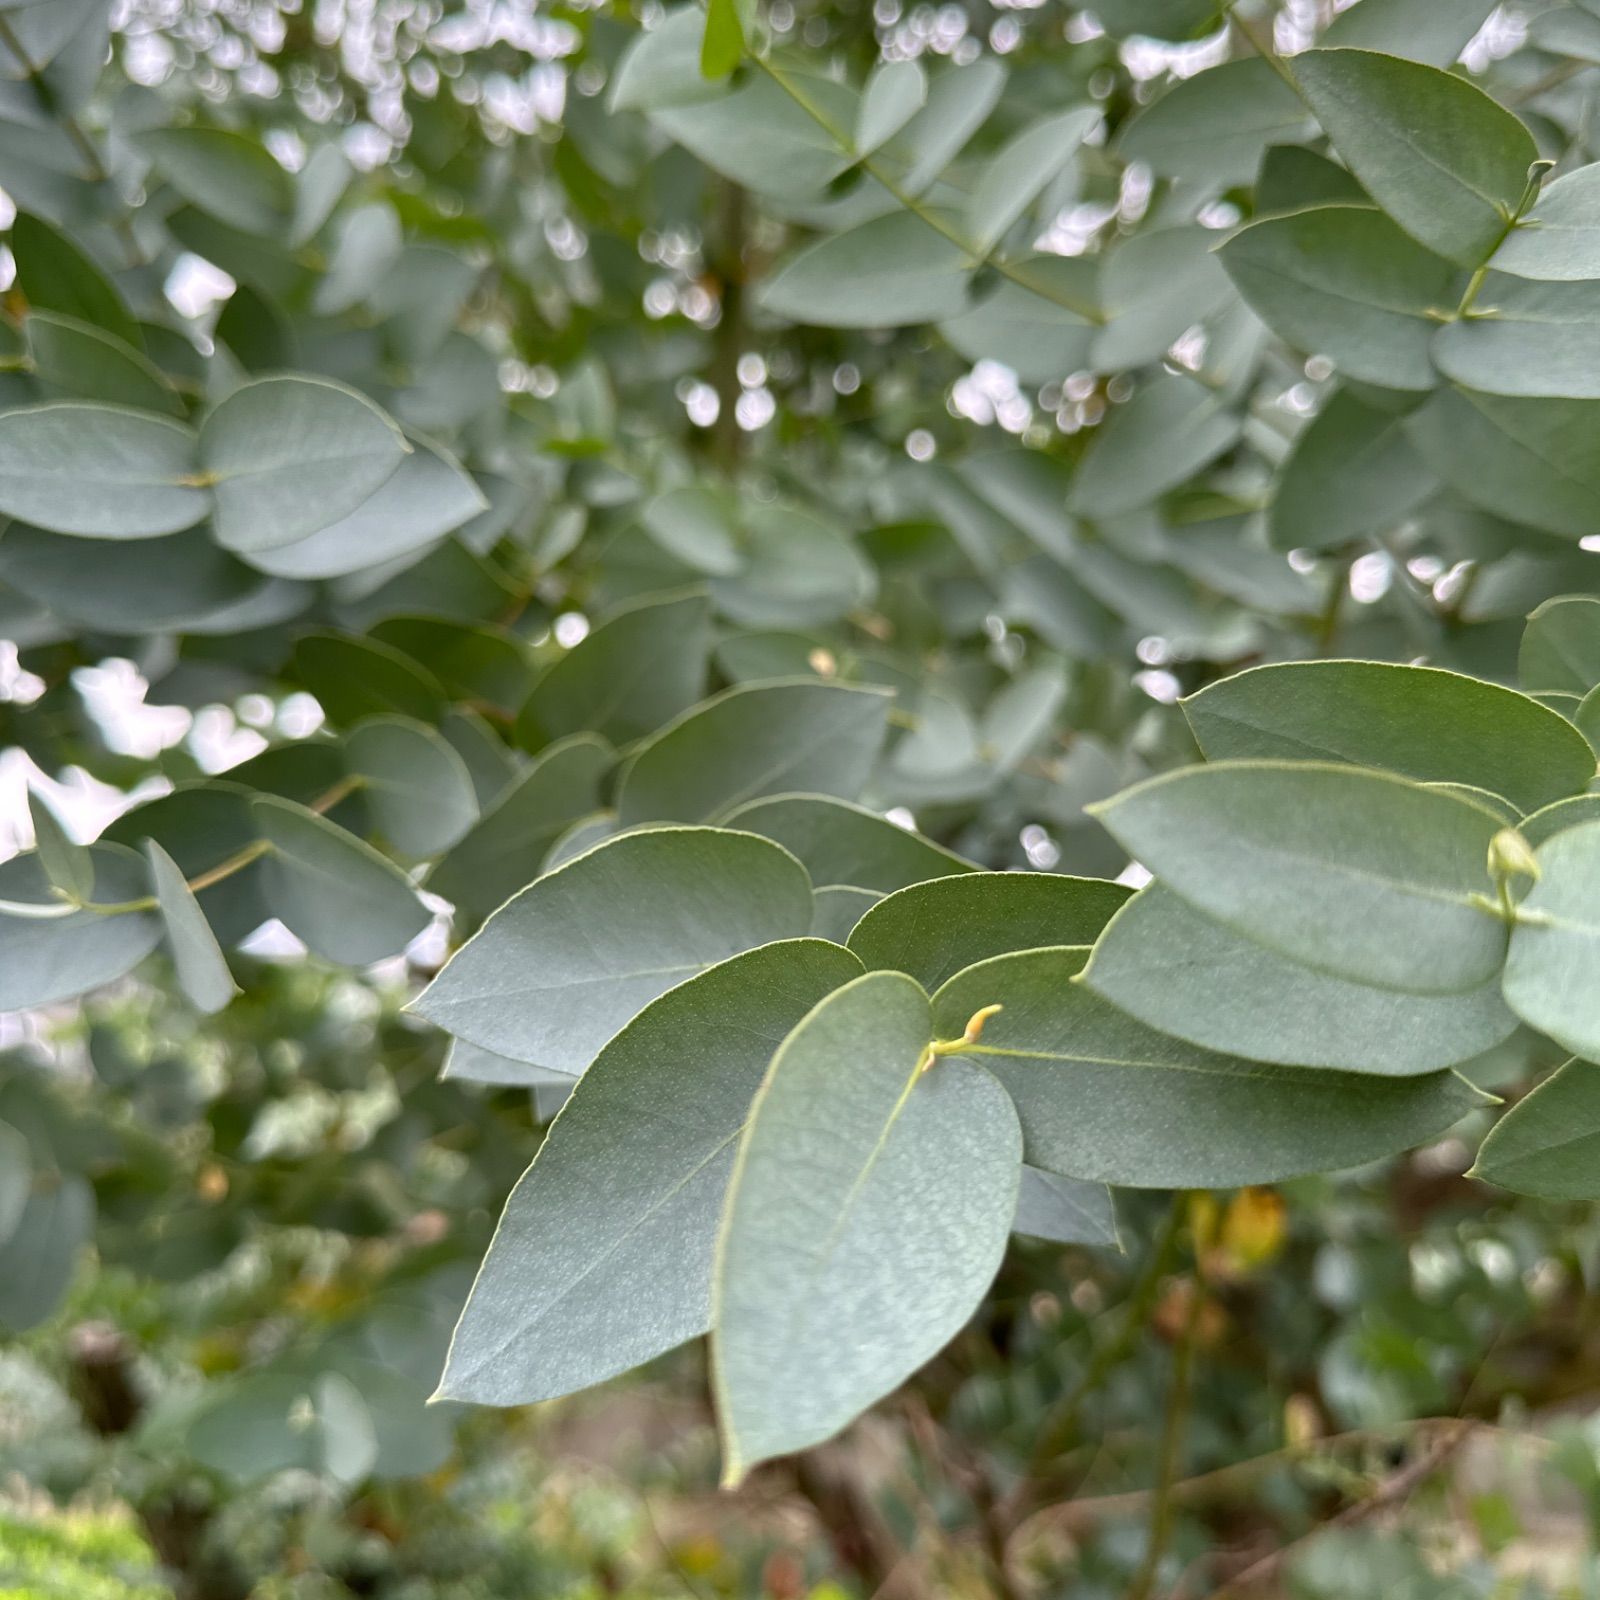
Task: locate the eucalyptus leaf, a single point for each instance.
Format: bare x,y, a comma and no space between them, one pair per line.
417,788
568,960
1185,974
753,741
203,971
602,1221
845,1240
1104,1098
1561,646
333,890
841,843
1358,874
1449,164
932,930
1065,1210
1548,1143
1421,722
1554,959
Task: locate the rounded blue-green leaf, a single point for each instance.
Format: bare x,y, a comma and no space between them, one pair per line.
602,1259
932,930
1552,976
1420,722
869,1209
104,471
1548,1143
1181,972
1102,1097
563,964
1360,874
755,740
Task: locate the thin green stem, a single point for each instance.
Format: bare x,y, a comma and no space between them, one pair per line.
977,254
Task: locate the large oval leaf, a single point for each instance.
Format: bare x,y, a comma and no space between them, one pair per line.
603,1256
933,930
756,740
868,1211
1359,874
1435,726
1185,974
562,965
1103,1097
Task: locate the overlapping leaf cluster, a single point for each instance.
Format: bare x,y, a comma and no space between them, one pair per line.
632,699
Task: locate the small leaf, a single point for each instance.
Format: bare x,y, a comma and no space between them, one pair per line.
332,889
417,788
837,1273
1533,461
1352,474
226,174
933,930
1561,647
44,959
602,1259
1449,164
289,455
507,847
1016,175
1213,127
1551,820
368,244
841,843
1525,338
722,48
1431,31
67,864
1185,974
1065,1210
894,94
77,361
1548,1144
1104,1098
40,1259
564,963
1552,976
1559,239
752,741
98,470
1344,282
354,679
644,665
426,497
1365,876
55,275
888,273
838,907
1169,430
16,1180
203,973
1421,722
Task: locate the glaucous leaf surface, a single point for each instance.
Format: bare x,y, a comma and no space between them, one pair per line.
842,843
1185,974
48,958
332,889
1548,1143
1552,976
1525,338
872,1192
103,471
1420,722
1447,162
1434,32
603,1256
418,791
565,962
1561,646
1344,282
506,848
756,740
638,669
1359,874
38,1261
287,456
1065,1210
1102,1097
1559,239
202,969
932,930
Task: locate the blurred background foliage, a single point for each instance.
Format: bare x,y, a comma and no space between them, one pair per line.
263,1225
